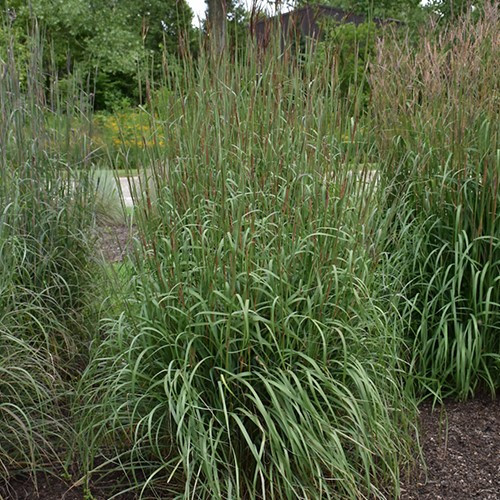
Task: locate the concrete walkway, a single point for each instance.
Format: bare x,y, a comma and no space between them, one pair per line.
125,184
367,176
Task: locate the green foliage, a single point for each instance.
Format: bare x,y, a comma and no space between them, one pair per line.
437,116
13,41
166,24
454,9
256,355
348,49
403,10
107,41
237,25
308,263
46,274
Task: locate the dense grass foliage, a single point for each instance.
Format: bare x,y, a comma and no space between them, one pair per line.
437,122
314,254
258,355
46,277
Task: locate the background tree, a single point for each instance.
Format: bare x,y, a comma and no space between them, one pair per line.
105,39
400,9
449,9
216,24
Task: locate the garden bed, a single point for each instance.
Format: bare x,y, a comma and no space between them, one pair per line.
461,444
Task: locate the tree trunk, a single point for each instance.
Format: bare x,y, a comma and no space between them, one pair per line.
217,25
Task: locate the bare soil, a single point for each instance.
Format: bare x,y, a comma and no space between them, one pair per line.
461,443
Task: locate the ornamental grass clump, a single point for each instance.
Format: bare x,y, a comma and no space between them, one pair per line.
46,274
255,357
437,114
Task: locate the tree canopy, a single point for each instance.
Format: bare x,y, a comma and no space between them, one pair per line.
109,37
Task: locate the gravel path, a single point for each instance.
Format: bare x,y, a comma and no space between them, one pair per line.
115,241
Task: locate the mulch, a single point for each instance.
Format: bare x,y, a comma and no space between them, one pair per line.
461,444
114,241
55,488
48,488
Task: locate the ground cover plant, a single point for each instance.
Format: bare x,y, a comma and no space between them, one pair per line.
312,255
